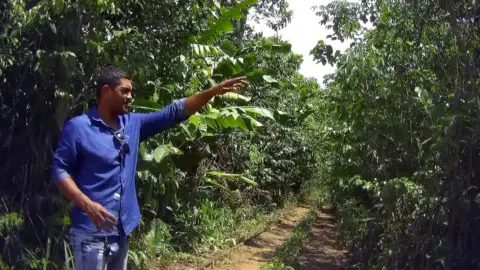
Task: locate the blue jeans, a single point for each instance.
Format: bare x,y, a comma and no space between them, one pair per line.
99,253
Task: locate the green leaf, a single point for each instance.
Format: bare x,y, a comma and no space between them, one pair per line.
248,181
236,117
236,14
226,26
228,47
278,48
224,23
246,4
203,128
254,111
68,53
256,74
145,104
188,133
366,219
164,151
142,151
228,67
195,120
213,182
249,61
222,174
269,79
66,221
53,28
232,176
234,97
252,124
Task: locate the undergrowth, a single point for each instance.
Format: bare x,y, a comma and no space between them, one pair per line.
287,254
197,234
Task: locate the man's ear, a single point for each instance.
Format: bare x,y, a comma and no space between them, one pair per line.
104,90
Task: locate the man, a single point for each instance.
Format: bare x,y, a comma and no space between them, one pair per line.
95,161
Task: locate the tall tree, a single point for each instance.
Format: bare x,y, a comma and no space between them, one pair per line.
401,131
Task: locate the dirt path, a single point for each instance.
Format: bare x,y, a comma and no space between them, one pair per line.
257,251
322,250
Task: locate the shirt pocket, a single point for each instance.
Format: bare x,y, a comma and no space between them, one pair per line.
101,151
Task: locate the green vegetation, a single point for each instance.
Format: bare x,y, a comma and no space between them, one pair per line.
213,228
391,142
399,131
202,185
287,254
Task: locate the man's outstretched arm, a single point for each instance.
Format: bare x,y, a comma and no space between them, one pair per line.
196,102
153,123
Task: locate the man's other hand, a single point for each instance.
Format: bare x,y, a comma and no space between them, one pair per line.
101,217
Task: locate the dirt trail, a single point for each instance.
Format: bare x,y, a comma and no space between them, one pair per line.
257,251
322,250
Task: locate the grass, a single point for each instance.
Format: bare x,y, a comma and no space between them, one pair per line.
248,228
287,254
220,231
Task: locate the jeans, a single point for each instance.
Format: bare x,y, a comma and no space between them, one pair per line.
99,253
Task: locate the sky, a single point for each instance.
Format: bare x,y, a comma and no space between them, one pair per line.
303,32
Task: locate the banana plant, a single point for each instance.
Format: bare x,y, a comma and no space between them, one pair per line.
208,61
215,177
156,170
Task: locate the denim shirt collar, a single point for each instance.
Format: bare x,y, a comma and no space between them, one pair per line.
94,115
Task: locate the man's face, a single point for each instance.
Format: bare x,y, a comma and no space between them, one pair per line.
119,97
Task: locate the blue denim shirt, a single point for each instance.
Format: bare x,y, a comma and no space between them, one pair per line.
89,153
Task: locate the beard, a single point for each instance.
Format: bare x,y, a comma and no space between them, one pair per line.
126,106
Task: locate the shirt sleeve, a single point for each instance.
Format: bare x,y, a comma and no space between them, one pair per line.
65,156
156,122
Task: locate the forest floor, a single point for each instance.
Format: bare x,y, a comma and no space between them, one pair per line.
321,252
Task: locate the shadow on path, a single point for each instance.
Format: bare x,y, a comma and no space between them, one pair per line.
322,250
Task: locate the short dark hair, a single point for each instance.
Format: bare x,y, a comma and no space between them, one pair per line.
110,76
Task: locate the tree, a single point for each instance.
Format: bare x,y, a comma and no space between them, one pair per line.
400,131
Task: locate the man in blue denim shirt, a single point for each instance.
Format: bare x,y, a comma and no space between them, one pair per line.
95,162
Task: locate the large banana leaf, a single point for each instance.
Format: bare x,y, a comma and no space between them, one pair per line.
201,50
159,153
236,117
215,183
234,97
232,176
252,111
215,120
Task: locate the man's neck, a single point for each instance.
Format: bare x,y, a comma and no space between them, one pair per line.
107,116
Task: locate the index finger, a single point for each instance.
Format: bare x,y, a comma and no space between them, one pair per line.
110,216
234,80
